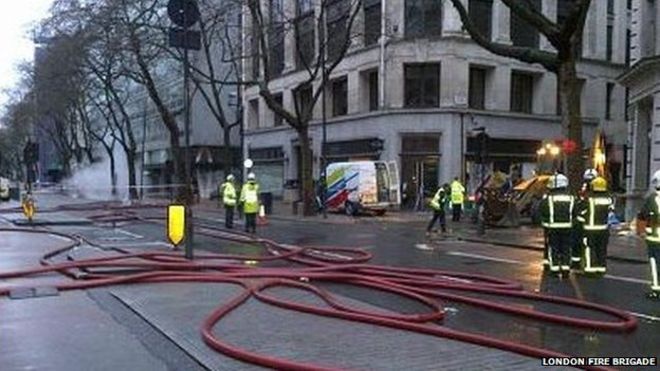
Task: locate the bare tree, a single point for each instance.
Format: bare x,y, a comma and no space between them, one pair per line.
318,68
566,39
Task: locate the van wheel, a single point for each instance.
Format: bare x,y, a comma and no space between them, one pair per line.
350,208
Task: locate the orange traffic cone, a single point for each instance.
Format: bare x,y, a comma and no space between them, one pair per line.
261,219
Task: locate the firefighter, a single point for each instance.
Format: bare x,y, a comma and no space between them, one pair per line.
591,214
250,201
438,205
457,198
228,192
557,219
577,249
650,214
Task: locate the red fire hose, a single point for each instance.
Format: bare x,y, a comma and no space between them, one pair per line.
322,264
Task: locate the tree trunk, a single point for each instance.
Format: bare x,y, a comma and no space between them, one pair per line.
113,169
306,176
571,118
132,182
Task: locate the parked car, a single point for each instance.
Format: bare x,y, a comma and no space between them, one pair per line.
4,189
354,187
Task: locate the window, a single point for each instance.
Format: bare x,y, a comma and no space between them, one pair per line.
304,27
277,119
608,101
373,90
522,33
254,49
423,18
522,92
372,19
340,97
564,8
608,50
253,122
481,14
337,26
422,85
610,7
276,38
303,99
477,88
628,47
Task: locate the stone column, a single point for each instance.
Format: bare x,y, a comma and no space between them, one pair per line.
451,21
454,77
289,37
501,23
549,9
501,87
353,92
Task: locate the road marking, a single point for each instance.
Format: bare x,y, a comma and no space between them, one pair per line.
483,257
131,234
627,279
645,316
423,246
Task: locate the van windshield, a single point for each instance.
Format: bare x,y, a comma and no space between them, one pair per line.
382,182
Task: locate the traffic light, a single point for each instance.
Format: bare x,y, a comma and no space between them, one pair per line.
482,141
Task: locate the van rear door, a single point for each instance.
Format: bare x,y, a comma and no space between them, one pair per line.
395,195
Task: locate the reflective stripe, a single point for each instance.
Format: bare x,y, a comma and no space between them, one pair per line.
546,262
595,227
587,256
566,267
559,225
561,198
654,275
600,269
575,259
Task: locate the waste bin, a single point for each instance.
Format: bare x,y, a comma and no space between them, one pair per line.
267,201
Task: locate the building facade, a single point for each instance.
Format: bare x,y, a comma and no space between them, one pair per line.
413,88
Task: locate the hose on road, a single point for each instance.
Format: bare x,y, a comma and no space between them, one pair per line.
309,265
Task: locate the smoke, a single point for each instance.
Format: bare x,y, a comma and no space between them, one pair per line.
94,181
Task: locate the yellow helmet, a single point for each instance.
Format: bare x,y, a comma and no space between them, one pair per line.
599,184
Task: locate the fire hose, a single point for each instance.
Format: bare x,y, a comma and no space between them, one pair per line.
308,265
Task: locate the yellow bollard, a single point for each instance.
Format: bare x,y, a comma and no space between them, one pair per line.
176,224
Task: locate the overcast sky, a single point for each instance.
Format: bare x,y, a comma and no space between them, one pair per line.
16,19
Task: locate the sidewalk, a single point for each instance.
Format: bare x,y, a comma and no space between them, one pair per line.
628,248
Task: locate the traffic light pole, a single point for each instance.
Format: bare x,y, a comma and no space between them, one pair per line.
189,191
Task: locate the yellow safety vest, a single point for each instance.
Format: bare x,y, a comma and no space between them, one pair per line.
457,191
437,203
652,230
250,198
228,194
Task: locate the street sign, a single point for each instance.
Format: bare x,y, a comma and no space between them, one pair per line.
248,163
183,13
185,39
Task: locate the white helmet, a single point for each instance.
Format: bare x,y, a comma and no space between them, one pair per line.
251,176
655,180
230,177
590,174
558,181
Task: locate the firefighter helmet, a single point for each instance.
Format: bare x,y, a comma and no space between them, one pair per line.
599,184
590,174
558,181
251,176
230,177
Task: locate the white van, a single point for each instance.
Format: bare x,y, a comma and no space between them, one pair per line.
371,186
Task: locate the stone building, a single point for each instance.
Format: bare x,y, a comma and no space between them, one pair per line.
413,88
643,81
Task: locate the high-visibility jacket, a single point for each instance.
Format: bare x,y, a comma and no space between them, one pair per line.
457,192
439,200
592,211
557,210
228,194
250,197
651,214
